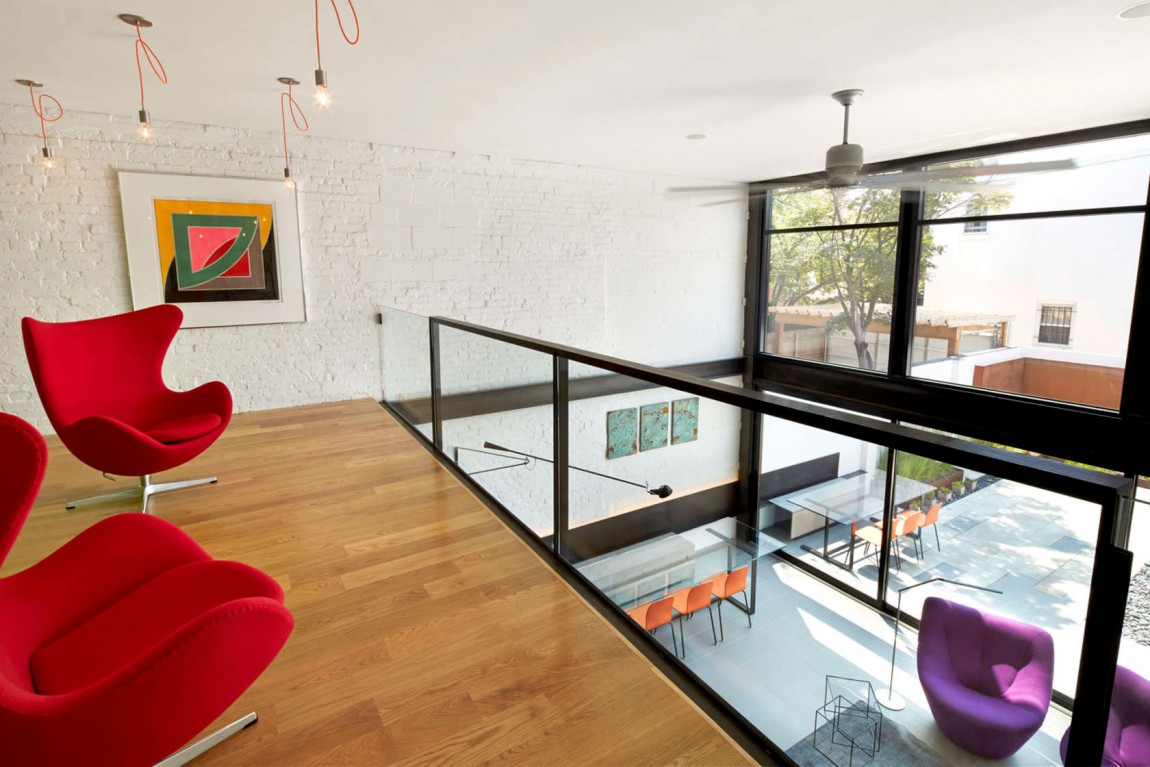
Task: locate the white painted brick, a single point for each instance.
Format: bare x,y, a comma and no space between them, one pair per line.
417,215
390,237
428,238
570,253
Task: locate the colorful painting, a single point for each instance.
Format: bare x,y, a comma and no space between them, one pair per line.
622,432
225,250
653,426
684,420
216,251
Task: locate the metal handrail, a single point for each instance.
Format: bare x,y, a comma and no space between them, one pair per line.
1084,484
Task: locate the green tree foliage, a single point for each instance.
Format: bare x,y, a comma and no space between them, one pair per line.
852,267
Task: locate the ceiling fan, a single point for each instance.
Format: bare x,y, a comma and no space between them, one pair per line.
845,170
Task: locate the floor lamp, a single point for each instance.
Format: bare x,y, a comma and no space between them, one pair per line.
887,698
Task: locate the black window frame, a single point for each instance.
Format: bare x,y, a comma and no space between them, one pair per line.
1104,438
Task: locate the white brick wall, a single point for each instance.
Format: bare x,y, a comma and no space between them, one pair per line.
595,258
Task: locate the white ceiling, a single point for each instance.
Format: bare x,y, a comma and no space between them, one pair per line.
611,83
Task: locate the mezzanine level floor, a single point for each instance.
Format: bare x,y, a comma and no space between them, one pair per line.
426,632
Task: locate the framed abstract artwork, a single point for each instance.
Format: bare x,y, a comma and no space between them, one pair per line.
684,420
622,432
225,250
653,426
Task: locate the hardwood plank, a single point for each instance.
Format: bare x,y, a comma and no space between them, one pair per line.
426,632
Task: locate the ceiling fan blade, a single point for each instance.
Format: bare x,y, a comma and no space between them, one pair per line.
984,170
1123,157
723,202
892,182
703,189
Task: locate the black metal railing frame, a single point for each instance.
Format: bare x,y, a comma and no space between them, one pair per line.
1113,494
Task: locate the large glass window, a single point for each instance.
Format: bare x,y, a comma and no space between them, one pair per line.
831,277
1036,303
1000,546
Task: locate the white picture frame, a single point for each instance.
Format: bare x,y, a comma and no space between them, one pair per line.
280,297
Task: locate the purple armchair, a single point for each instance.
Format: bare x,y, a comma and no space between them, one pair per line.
987,679
1128,733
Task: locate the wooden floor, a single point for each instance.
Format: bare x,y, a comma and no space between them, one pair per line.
426,632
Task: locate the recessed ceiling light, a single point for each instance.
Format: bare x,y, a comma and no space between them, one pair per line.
1136,11
695,136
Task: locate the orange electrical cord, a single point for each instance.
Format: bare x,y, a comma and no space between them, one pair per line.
342,31
153,61
296,115
38,108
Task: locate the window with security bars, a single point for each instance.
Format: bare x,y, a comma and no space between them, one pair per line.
974,227
1054,324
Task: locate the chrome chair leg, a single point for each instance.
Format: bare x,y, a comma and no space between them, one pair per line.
145,490
186,755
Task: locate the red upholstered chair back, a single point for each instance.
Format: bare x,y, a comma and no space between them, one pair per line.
23,458
109,366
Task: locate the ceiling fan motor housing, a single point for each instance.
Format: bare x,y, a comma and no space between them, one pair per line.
844,159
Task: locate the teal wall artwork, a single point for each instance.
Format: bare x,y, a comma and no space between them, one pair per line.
684,420
622,432
653,426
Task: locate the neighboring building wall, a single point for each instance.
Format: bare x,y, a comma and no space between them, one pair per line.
1050,379
1089,262
594,258
1059,374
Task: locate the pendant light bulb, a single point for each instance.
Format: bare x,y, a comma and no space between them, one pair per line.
289,182
145,129
322,94
46,160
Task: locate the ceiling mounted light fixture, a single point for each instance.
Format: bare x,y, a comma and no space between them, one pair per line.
46,158
139,22
289,104
322,94
1136,11
695,136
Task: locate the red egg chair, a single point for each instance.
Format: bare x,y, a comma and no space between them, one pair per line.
101,385
120,646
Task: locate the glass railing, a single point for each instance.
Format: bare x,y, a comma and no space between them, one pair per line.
762,546
405,367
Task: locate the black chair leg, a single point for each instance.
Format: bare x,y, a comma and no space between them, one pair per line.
674,644
747,602
722,638
936,538
683,636
714,636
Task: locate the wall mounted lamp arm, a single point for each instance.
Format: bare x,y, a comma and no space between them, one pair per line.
663,491
525,461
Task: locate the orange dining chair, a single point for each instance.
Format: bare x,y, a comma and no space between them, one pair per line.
905,523
655,614
870,535
930,519
689,601
726,586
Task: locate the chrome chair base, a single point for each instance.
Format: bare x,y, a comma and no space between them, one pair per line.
186,755
145,490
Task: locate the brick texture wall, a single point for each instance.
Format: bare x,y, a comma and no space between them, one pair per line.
596,258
